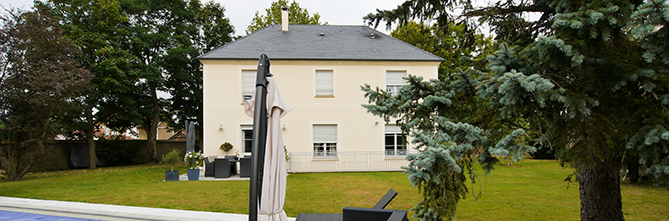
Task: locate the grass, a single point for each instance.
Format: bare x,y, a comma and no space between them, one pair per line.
527,190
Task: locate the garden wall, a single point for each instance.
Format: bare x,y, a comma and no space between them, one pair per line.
63,155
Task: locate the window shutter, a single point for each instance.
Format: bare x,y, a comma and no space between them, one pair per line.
324,83
395,77
391,128
325,133
248,81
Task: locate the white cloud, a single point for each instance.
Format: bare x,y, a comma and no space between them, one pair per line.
240,13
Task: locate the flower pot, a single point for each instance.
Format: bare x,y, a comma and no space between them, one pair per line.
193,174
172,175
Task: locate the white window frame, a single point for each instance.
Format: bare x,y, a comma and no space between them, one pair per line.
394,81
245,128
396,149
325,140
248,83
324,83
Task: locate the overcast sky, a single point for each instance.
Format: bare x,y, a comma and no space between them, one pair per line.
240,12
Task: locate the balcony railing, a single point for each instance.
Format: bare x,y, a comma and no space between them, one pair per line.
399,153
325,154
346,161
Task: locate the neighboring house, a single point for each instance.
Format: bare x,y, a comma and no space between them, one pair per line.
103,131
179,135
163,132
319,71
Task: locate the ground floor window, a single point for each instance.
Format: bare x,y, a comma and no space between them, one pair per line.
325,150
394,140
325,140
247,138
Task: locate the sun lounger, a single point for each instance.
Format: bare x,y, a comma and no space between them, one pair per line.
378,212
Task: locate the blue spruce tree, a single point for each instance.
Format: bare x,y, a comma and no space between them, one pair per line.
588,78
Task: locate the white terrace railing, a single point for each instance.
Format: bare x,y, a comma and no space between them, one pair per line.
346,161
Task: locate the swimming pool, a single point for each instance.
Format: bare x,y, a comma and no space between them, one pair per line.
19,216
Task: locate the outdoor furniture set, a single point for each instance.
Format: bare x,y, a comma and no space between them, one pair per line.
376,213
226,167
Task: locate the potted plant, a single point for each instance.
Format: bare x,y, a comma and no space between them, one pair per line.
172,158
194,160
226,147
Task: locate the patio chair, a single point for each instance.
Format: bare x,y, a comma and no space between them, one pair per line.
385,200
221,168
233,164
369,214
361,214
208,167
245,167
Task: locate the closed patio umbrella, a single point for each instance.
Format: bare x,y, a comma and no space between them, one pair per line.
190,137
273,192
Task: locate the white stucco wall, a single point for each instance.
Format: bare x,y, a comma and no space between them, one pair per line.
357,130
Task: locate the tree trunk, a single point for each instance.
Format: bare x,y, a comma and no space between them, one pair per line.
25,170
14,171
11,167
151,140
151,134
89,137
599,186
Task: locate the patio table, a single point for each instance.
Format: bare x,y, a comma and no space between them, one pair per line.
222,168
233,166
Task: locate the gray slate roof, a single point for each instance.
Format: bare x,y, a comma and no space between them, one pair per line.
320,42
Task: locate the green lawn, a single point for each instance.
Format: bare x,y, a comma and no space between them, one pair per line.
528,190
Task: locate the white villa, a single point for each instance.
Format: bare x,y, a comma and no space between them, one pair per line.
319,70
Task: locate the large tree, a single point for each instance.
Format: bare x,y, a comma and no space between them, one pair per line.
41,83
210,29
587,78
167,37
446,117
98,28
459,48
143,55
296,15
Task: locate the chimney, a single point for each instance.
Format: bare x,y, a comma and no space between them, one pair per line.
284,19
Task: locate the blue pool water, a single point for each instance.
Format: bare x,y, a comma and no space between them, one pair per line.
19,216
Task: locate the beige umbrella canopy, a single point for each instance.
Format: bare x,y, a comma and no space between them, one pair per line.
273,193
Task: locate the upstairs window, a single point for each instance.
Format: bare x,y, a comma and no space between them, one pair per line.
324,85
394,81
248,83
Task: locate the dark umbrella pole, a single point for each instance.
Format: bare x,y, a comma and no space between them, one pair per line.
259,136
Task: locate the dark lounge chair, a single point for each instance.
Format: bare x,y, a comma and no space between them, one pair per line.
233,164
221,168
378,212
245,167
208,167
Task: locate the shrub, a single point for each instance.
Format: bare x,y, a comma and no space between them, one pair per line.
172,158
225,147
194,159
